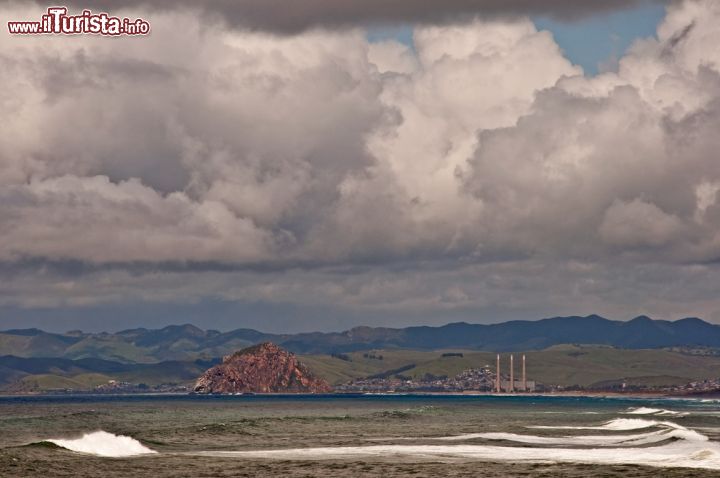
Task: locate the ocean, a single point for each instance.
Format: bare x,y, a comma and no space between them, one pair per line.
357,435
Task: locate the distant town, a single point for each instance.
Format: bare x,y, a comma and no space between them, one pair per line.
484,379
480,380
473,380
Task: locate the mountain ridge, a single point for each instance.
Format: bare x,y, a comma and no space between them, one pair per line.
189,342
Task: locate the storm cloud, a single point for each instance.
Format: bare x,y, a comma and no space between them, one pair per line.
477,172
298,15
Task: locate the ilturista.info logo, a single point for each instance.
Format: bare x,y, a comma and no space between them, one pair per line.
57,21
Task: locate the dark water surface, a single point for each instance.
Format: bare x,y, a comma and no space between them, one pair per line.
348,436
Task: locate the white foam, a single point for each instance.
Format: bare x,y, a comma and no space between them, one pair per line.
565,413
618,424
654,411
102,443
689,449
643,411
677,454
589,440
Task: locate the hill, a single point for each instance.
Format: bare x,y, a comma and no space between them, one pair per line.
42,374
263,368
187,342
565,365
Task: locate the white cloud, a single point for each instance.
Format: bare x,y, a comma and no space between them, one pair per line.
482,144
300,15
597,156
638,224
95,220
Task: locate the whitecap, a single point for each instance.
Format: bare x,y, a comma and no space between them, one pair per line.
655,411
618,424
677,454
102,443
588,440
643,411
689,449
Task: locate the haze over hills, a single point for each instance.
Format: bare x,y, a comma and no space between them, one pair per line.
563,365
641,351
44,374
188,342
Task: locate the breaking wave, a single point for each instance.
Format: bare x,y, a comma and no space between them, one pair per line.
102,443
654,411
618,424
589,440
643,411
669,446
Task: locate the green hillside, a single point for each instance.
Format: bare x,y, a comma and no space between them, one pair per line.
188,342
560,365
49,382
108,348
566,365
25,375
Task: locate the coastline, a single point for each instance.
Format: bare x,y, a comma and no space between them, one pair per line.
468,394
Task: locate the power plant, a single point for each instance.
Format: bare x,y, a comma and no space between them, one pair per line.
507,383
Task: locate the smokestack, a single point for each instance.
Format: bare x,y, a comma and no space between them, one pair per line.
497,374
524,376
512,375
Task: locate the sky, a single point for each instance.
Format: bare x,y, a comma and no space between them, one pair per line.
594,42
366,162
597,42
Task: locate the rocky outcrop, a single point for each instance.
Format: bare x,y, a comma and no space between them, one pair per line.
263,368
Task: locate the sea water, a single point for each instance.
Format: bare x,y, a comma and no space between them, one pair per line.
356,435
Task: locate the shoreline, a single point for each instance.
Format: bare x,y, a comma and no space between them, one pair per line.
469,394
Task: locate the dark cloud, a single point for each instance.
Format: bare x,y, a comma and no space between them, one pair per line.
325,300
478,172
298,15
